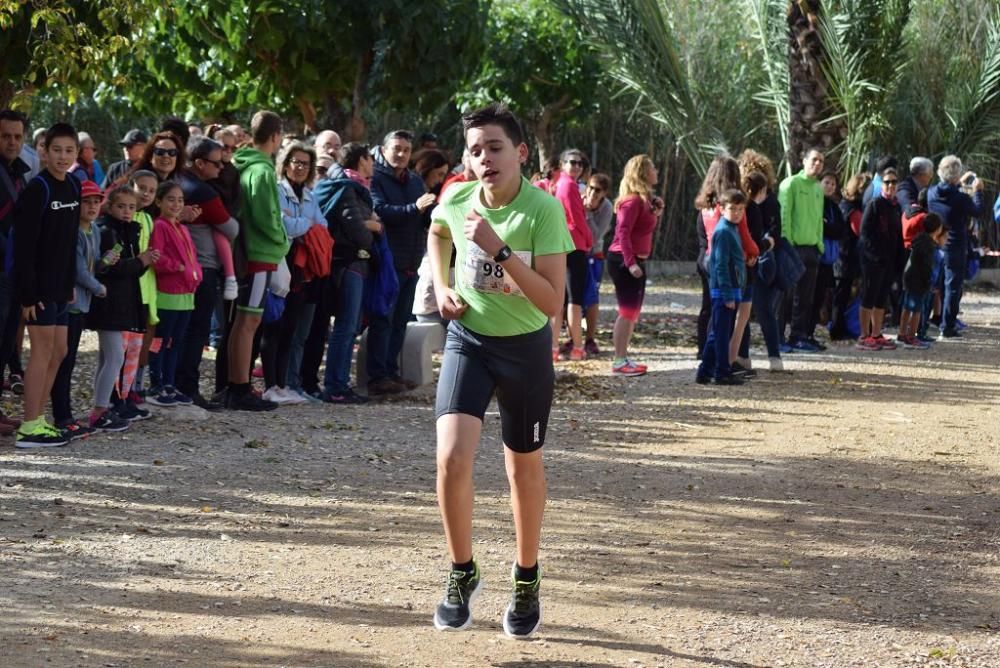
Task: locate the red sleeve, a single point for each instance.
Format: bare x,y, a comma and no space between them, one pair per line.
628,213
750,249
855,219
568,193
213,212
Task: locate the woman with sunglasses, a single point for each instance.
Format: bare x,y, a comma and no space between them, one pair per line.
577,268
879,245
283,339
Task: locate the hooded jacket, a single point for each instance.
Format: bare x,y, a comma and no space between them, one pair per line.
261,227
88,253
346,205
122,308
394,201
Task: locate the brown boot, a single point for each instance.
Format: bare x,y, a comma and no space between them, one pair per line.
408,384
384,386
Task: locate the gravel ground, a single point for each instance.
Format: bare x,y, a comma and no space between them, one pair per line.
845,515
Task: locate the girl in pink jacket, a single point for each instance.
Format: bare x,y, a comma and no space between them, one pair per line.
177,277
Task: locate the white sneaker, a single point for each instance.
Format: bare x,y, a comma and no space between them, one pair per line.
776,364
230,289
274,394
291,396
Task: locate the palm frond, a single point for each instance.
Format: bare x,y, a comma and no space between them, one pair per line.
977,125
767,26
640,44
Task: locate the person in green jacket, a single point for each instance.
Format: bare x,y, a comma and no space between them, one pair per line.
264,245
801,199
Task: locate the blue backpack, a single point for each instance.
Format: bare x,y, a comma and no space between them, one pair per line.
383,285
8,257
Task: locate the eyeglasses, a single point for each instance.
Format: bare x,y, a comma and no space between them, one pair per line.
172,152
298,164
575,163
891,182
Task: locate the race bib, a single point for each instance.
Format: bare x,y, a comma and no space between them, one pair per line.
485,275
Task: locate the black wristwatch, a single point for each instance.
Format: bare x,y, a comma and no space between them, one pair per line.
503,254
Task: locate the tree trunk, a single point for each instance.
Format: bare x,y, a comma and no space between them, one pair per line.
358,129
543,128
6,92
808,99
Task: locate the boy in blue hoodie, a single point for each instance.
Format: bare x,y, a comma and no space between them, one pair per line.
727,277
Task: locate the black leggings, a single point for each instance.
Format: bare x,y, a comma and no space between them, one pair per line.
876,279
577,269
276,341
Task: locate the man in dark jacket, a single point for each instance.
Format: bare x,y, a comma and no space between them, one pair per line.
402,203
921,173
13,171
133,144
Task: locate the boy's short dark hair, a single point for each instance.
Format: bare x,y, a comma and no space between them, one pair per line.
933,222
351,154
199,148
118,191
733,196
61,130
495,113
264,125
405,135
15,116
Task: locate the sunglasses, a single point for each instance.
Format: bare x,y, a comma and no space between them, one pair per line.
217,163
172,152
321,170
596,189
575,163
299,164
891,182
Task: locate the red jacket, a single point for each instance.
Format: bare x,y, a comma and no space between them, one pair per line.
634,230
568,193
711,219
177,270
912,226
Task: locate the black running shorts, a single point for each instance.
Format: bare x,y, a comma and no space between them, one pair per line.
577,273
518,368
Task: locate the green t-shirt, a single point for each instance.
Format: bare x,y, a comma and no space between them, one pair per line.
533,224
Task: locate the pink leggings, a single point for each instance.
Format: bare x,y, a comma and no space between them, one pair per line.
132,342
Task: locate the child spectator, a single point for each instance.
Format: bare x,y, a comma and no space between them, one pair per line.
726,278
177,277
46,226
917,278
120,318
144,183
88,250
878,247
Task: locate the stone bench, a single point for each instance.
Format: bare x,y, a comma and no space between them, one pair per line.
415,361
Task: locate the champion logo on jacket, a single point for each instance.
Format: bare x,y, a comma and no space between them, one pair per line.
56,206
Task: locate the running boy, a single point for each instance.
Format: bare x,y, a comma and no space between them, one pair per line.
917,283
727,276
511,242
46,226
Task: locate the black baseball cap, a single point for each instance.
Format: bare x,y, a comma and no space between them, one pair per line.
133,137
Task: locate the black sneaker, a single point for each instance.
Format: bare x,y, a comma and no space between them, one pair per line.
454,613
39,435
346,397
727,380
812,340
702,380
740,370
248,402
74,431
109,421
206,404
524,612
131,412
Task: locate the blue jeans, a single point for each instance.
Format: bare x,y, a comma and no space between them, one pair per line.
171,330
925,313
337,377
386,333
293,377
765,307
715,357
954,276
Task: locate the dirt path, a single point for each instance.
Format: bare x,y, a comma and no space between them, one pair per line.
844,516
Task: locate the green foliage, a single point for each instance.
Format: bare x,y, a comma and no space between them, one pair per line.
766,25
62,44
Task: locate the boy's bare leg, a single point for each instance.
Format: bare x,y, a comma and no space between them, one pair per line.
42,340
241,347
457,440
55,360
526,474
